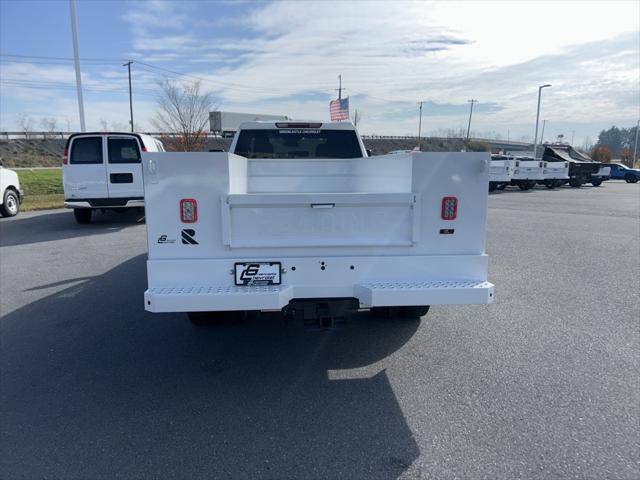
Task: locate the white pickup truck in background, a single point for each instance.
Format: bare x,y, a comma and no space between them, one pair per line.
298,218
10,192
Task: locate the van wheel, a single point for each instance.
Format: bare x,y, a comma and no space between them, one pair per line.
200,319
575,183
596,183
83,215
10,204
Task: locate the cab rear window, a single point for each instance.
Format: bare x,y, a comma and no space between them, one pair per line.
86,150
123,150
298,143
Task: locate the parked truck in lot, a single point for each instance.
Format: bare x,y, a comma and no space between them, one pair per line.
527,172
296,217
500,172
582,169
226,124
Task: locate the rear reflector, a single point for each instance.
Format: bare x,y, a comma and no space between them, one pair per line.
65,157
449,208
188,210
298,125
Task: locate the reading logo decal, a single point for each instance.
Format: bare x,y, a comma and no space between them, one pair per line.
188,237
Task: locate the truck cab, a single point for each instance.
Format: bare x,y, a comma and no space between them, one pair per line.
102,171
297,218
288,139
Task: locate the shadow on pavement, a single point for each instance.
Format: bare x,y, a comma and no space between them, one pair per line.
28,228
94,387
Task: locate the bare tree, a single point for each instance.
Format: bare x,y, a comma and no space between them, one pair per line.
49,126
26,124
183,110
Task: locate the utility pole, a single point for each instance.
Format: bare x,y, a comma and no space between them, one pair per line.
472,101
76,61
128,65
420,130
535,138
635,147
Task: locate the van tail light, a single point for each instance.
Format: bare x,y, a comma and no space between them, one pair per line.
188,210
65,157
449,208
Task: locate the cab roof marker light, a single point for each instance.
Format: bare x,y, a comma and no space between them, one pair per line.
188,210
298,125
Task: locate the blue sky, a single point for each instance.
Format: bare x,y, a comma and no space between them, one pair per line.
284,58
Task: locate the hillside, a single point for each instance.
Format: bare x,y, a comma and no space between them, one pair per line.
48,152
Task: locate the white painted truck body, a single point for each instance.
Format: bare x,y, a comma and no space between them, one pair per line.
501,170
556,170
528,169
369,228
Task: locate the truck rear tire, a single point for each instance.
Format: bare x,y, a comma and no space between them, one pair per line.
575,183
200,319
83,215
416,311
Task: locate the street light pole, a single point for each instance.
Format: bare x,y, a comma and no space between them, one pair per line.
472,101
535,138
635,147
76,61
128,65
420,129
544,122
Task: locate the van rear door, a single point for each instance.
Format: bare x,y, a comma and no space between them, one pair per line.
85,175
124,171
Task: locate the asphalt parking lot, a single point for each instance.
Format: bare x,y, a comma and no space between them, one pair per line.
543,383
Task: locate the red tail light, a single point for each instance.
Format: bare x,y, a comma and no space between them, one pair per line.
188,210
65,156
144,149
449,208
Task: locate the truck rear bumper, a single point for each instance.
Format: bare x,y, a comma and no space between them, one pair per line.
191,285
104,202
378,294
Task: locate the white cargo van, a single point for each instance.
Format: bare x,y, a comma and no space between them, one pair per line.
102,171
297,217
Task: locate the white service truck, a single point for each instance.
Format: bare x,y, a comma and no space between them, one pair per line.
296,217
527,172
500,172
555,174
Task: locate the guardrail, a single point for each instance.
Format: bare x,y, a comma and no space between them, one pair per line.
63,135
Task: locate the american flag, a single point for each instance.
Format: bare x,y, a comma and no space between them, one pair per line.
339,109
